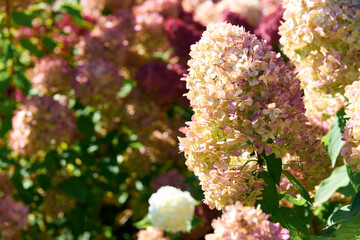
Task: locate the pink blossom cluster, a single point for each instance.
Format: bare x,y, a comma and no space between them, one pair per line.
41,123
246,101
172,178
245,223
109,39
92,9
151,233
52,75
13,214
182,33
351,150
97,84
161,83
323,44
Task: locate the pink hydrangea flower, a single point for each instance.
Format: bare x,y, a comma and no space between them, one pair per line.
351,150
52,75
245,223
246,101
41,123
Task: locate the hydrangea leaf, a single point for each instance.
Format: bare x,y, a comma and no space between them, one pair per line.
328,187
290,220
349,229
355,206
297,185
22,19
335,135
274,166
341,214
354,178
270,200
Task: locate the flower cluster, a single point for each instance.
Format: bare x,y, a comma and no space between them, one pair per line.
246,101
109,39
41,123
97,84
324,43
52,75
93,9
236,19
171,178
13,214
151,233
162,83
267,28
182,33
246,223
210,12
170,209
351,150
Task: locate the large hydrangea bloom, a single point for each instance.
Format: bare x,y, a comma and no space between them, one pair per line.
246,101
52,75
245,223
324,44
97,84
351,151
170,209
322,38
41,123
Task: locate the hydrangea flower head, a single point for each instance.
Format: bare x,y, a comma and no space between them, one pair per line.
151,233
170,209
322,38
246,223
52,75
97,84
41,123
246,101
351,150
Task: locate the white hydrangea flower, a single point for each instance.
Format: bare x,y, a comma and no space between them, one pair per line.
170,209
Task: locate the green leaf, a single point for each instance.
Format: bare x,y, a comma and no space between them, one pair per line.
190,225
76,14
274,166
299,202
355,206
354,178
143,223
328,187
348,190
335,135
28,45
127,87
22,82
290,220
270,200
22,18
297,185
349,229
85,126
5,80
49,43
339,215
75,187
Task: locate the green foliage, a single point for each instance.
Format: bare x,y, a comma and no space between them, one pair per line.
290,220
270,201
328,187
274,166
335,134
297,186
22,19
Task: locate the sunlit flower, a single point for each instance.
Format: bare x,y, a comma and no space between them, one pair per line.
246,223
41,123
170,209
